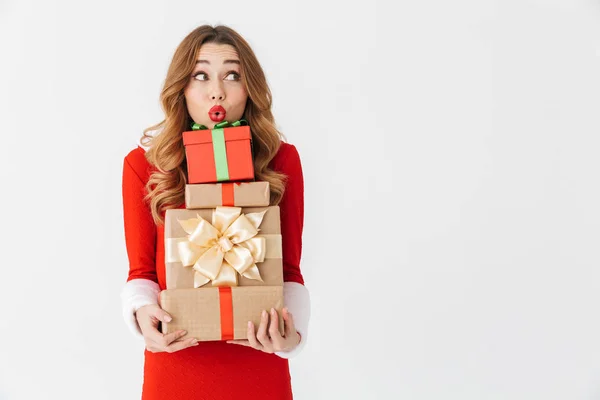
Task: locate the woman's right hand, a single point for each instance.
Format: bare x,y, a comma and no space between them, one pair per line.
148,318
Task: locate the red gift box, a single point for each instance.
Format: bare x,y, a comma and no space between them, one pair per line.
219,155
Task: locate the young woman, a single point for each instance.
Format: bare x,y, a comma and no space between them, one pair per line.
213,76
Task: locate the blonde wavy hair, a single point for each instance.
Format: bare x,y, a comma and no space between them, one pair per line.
166,185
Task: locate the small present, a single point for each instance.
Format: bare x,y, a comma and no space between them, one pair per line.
219,313
238,194
219,155
238,247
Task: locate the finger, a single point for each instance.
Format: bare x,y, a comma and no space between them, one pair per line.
171,337
261,335
153,334
276,338
252,337
149,330
157,347
156,315
145,320
181,344
162,315
288,318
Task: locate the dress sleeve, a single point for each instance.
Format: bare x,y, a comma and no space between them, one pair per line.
140,229
296,295
292,216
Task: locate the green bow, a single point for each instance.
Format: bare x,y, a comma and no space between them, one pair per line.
222,124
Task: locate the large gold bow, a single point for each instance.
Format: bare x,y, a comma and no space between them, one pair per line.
227,246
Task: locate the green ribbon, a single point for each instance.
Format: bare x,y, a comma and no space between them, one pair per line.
218,141
222,124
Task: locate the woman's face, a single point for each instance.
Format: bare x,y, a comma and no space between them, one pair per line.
215,91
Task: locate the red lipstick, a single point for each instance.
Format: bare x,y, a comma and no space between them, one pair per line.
217,113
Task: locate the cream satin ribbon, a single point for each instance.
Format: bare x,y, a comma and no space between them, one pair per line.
220,251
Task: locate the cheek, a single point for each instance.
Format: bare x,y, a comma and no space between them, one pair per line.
195,92
240,97
198,103
191,96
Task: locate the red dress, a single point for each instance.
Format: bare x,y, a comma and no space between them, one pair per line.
211,370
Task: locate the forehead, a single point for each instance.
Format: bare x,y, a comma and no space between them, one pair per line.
217,52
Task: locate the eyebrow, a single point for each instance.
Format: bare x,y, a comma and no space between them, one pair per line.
224,62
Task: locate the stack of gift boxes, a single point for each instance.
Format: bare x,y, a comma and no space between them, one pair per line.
223,252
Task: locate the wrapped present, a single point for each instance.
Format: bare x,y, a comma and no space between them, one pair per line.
219,155
238,194
219,313
238,247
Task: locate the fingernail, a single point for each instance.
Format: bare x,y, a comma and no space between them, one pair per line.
194,341
183,333
286,310
249,324
272,311
264,314
167,318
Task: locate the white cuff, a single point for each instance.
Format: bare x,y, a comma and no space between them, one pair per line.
296,298
135,294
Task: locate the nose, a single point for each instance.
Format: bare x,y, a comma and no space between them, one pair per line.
217,92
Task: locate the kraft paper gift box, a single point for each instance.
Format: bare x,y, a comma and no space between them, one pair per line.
219,155
219,313
223,246
238,194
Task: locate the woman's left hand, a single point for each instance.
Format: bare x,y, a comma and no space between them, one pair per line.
270,340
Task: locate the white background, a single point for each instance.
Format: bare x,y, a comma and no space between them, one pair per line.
450,154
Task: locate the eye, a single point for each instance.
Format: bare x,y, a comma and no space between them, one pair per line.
200,73
236,76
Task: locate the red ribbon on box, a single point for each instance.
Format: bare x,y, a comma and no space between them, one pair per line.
227,194
226,309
